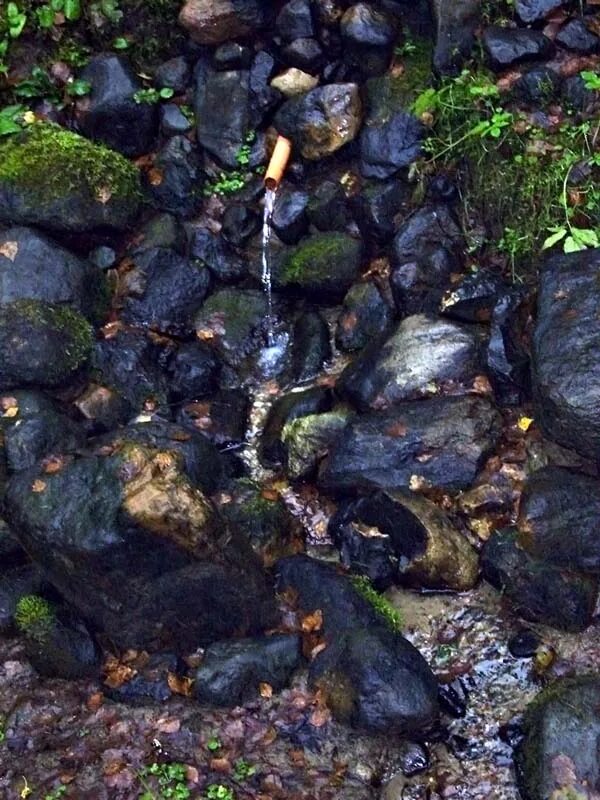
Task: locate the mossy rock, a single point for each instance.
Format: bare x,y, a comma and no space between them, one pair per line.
323,265
42,344
60,181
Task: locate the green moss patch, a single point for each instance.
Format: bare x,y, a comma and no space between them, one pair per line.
391,617
33,613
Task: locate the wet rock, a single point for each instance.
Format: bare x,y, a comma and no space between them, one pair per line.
443,442
507,46
115,533
410,535
15,584
290,220
59,181
322,266
223,262
535,10
161,230
103,257
453,699
150,684
523,644
455,23
173,74
223,418
294,21
305,54
474,298
174,182
264,96
538,86
375,209
285,409
558,519
11,552
386,148
42,344
307,439
365,316
310,346
368,34
194,372
421,356
212,22
565,378
231,672
172,290
110,113
575,94
232,55
538,591
36,429
322,120
34,267
577,37
239,224
328,207
506,357
294,81
414,758
559,754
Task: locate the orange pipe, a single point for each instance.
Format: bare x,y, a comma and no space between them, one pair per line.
278,163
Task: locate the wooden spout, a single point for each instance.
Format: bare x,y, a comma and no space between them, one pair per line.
278,163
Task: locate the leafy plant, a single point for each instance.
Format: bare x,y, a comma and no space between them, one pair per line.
153,95
56,794
234,180
15,19
383,607
33,611
213,744
591,80
107,9
164,782
242,770
11,119
216,791
78,88
39,84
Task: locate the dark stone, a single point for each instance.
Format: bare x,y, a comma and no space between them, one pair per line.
223,262
110,113
211,23
474,298
289,219
422,355
577,37
231,55
385,449
365,316
559,754
150,684
387,147
538,86
11,552
536,10
538,591
441,189
368,34
38,429
285,409
161,230
294,21
559,516
173,121
508,46
506,357
62,648
15,584
524,643
223,418
456,22
34,267
307,439
103,257
42,345
575,95
264,96
310,346
453,698
194,372
175,183
171,291
173,74
565,374
414,758
328,207
239,224
231,672
304,54
375,208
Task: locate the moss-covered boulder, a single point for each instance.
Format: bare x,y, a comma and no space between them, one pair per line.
42,344
55,179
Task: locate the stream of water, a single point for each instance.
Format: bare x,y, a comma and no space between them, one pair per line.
266,262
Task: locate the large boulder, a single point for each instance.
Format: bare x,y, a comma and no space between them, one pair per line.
212,22
558,757
441,442
565,370
57,180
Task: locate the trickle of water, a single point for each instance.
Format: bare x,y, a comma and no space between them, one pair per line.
266,263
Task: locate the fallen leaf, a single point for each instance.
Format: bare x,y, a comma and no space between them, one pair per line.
266,690
155,176
9,250
178,685
38,486
11,412
220,765
524,423
397,430
319,717
171,725
52,464
313,622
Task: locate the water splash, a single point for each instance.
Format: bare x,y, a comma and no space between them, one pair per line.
266,262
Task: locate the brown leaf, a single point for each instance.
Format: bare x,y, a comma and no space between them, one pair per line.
397,430
313,622
220,764
266,690
53,464
155,176
169,725
9,250
116,673
38,486
319,717
180,685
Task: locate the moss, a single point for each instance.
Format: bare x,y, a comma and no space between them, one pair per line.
383,607
33,614
395,92
53,161
78,330
315,257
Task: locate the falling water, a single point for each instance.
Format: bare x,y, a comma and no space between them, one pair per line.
266,262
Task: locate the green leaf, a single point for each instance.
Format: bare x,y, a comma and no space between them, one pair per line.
79,88
572,246
72,10
120,43
45,16
57,5
166,93
586,236
556,237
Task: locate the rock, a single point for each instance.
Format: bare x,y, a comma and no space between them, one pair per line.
506,357
231,672
42,344
375,209
385,148
538,86
33,267
103,257
566,381
421,357
11,552
558,756
223,262
285,409
322,266
535,10
443,442
307,439
110,113
59,181
576,36
294,21
538,591
558,519
289,219
264,96
305,54
171,291
402,536
507,46
173,74
173,121
212,22
15,584
239,224
455,24
523,644
414,758
223,418
150,684
194,372
310,346
174,182
365,316
474,297
36,429
328,208
294,81
115,533
232,55
161,230
575,94
368,34
322,120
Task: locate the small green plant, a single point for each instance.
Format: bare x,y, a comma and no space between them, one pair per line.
16,19
56,794
38,84
164,782
2,731
216,791
383,607
234,180
407,48
153,95
120,43
107,10
11,119
591,80
242,770
213,744
78,88
33,613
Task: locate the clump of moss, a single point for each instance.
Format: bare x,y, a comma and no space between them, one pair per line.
317,256
383,607
33,614
78,330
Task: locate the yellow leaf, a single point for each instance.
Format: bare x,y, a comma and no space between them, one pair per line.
38,486
266,690
9,249
524,423
11,412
